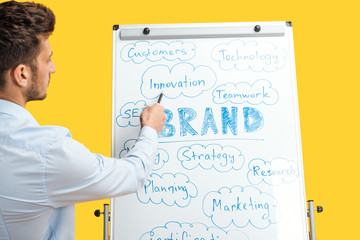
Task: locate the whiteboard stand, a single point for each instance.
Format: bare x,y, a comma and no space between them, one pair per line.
106,219
311,210
241,103
310,214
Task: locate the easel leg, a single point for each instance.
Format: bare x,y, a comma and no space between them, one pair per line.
311,219
311,210
106,221
106,213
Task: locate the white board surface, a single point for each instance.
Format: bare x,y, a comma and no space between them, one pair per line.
229,164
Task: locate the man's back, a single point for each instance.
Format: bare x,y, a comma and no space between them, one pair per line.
24,204
44,172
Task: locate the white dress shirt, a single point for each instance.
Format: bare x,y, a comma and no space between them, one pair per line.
44,172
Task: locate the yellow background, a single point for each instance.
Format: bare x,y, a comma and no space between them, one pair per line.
326,36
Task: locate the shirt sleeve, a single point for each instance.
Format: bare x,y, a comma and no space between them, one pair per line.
73,174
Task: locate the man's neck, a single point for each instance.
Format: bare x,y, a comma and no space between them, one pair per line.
17,100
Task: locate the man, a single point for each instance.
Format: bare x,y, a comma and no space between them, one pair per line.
43,171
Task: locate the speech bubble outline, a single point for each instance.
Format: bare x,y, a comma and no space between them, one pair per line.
274,173
260,91
126,118
246,205
173,81
206,163
141,51
176,230
183,192
161,158
252,55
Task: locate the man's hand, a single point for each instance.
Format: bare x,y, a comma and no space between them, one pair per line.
154,117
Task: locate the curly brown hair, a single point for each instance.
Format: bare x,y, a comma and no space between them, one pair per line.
21,25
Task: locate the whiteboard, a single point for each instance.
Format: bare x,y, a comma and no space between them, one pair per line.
229,163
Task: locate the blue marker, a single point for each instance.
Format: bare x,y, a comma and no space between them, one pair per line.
160,97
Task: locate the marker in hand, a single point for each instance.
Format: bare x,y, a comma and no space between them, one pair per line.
160,97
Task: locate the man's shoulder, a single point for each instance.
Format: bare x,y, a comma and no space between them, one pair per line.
58,131
32,137
48,133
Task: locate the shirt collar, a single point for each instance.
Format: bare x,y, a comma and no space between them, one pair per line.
16,110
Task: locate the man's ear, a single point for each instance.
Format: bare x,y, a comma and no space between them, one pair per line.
21,75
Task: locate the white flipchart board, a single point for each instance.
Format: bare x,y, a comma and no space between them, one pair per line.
229,164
